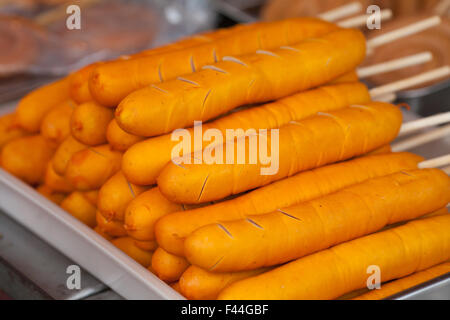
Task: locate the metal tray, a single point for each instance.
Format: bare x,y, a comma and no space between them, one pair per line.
436,289
110,265
80,243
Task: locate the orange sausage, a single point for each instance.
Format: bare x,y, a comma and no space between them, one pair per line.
115,195
328,274
81,208
65,151
199,284
302,145
127,245
296,231
168,267
27,158
394,287
89,122
254,78
146,245
143,212
79,84
111,228
56,124
53,196
56,182
90,168
9,129
118,139
111,82
304,186
34,106
138,169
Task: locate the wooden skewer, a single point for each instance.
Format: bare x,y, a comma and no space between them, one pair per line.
447,171
436,162
435,74
442,7
424,123
404,32
341,12
395,64
388,98
359,21
421,139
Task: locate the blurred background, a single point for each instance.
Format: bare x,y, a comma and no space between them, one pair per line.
36,45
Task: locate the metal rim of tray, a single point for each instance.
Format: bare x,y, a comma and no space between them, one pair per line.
80,243
97,255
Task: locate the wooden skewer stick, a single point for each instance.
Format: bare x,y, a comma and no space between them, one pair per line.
422,78
436,162
447,171
388,98
442,7
403,32
341,12
424,123
421,139
359,21
395,64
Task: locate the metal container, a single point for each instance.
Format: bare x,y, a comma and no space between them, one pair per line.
79,242
429,100
110,265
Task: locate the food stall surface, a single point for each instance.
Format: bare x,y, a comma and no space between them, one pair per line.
31,269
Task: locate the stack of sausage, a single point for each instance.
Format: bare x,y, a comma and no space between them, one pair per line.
98,143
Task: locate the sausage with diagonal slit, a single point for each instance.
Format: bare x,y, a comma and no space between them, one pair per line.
113,81
293,232
299,106
168,267
110,227
79,206
260,77
172,229
200,284
115,195
120,140
89,122
65,151
402,284
90,168
330,273
143,211
302,145
32,109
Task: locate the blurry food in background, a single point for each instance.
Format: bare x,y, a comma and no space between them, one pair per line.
27,7
43,44
436,40
20,44
108,31
279,9
36,46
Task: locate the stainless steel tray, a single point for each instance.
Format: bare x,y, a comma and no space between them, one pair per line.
79,243
436,289
110,265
